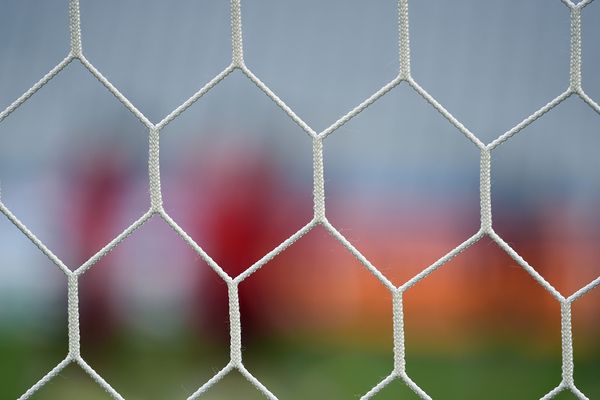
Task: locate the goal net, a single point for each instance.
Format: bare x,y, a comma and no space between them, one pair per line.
319,218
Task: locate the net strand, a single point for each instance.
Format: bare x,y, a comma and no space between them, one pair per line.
403,39
445,113
73,316
280,103
75,28
156,201
398,323
156,206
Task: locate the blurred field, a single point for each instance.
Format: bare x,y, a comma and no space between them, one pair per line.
295,370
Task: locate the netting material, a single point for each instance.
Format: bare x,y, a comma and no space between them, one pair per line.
319,218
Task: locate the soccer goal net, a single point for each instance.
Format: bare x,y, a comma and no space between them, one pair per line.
319,218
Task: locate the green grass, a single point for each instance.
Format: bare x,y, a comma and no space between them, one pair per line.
294,371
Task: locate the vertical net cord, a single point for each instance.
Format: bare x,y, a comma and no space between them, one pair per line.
398,324
236,34
235,326
319,217
575,85
73,316
319,181
75,28
575,66
156,202
567,344
485,188
403,39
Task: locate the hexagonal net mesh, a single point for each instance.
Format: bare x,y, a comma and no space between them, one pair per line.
319,217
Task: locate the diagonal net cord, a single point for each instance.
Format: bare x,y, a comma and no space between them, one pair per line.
319,218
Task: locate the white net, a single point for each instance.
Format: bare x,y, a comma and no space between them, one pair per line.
319,217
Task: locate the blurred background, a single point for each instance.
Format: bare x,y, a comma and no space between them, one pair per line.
401,185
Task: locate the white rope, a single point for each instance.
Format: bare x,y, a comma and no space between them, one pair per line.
403,39
485,188
237,63
575,78
235,325
237,44
75,28
154,170
73,316
398,322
